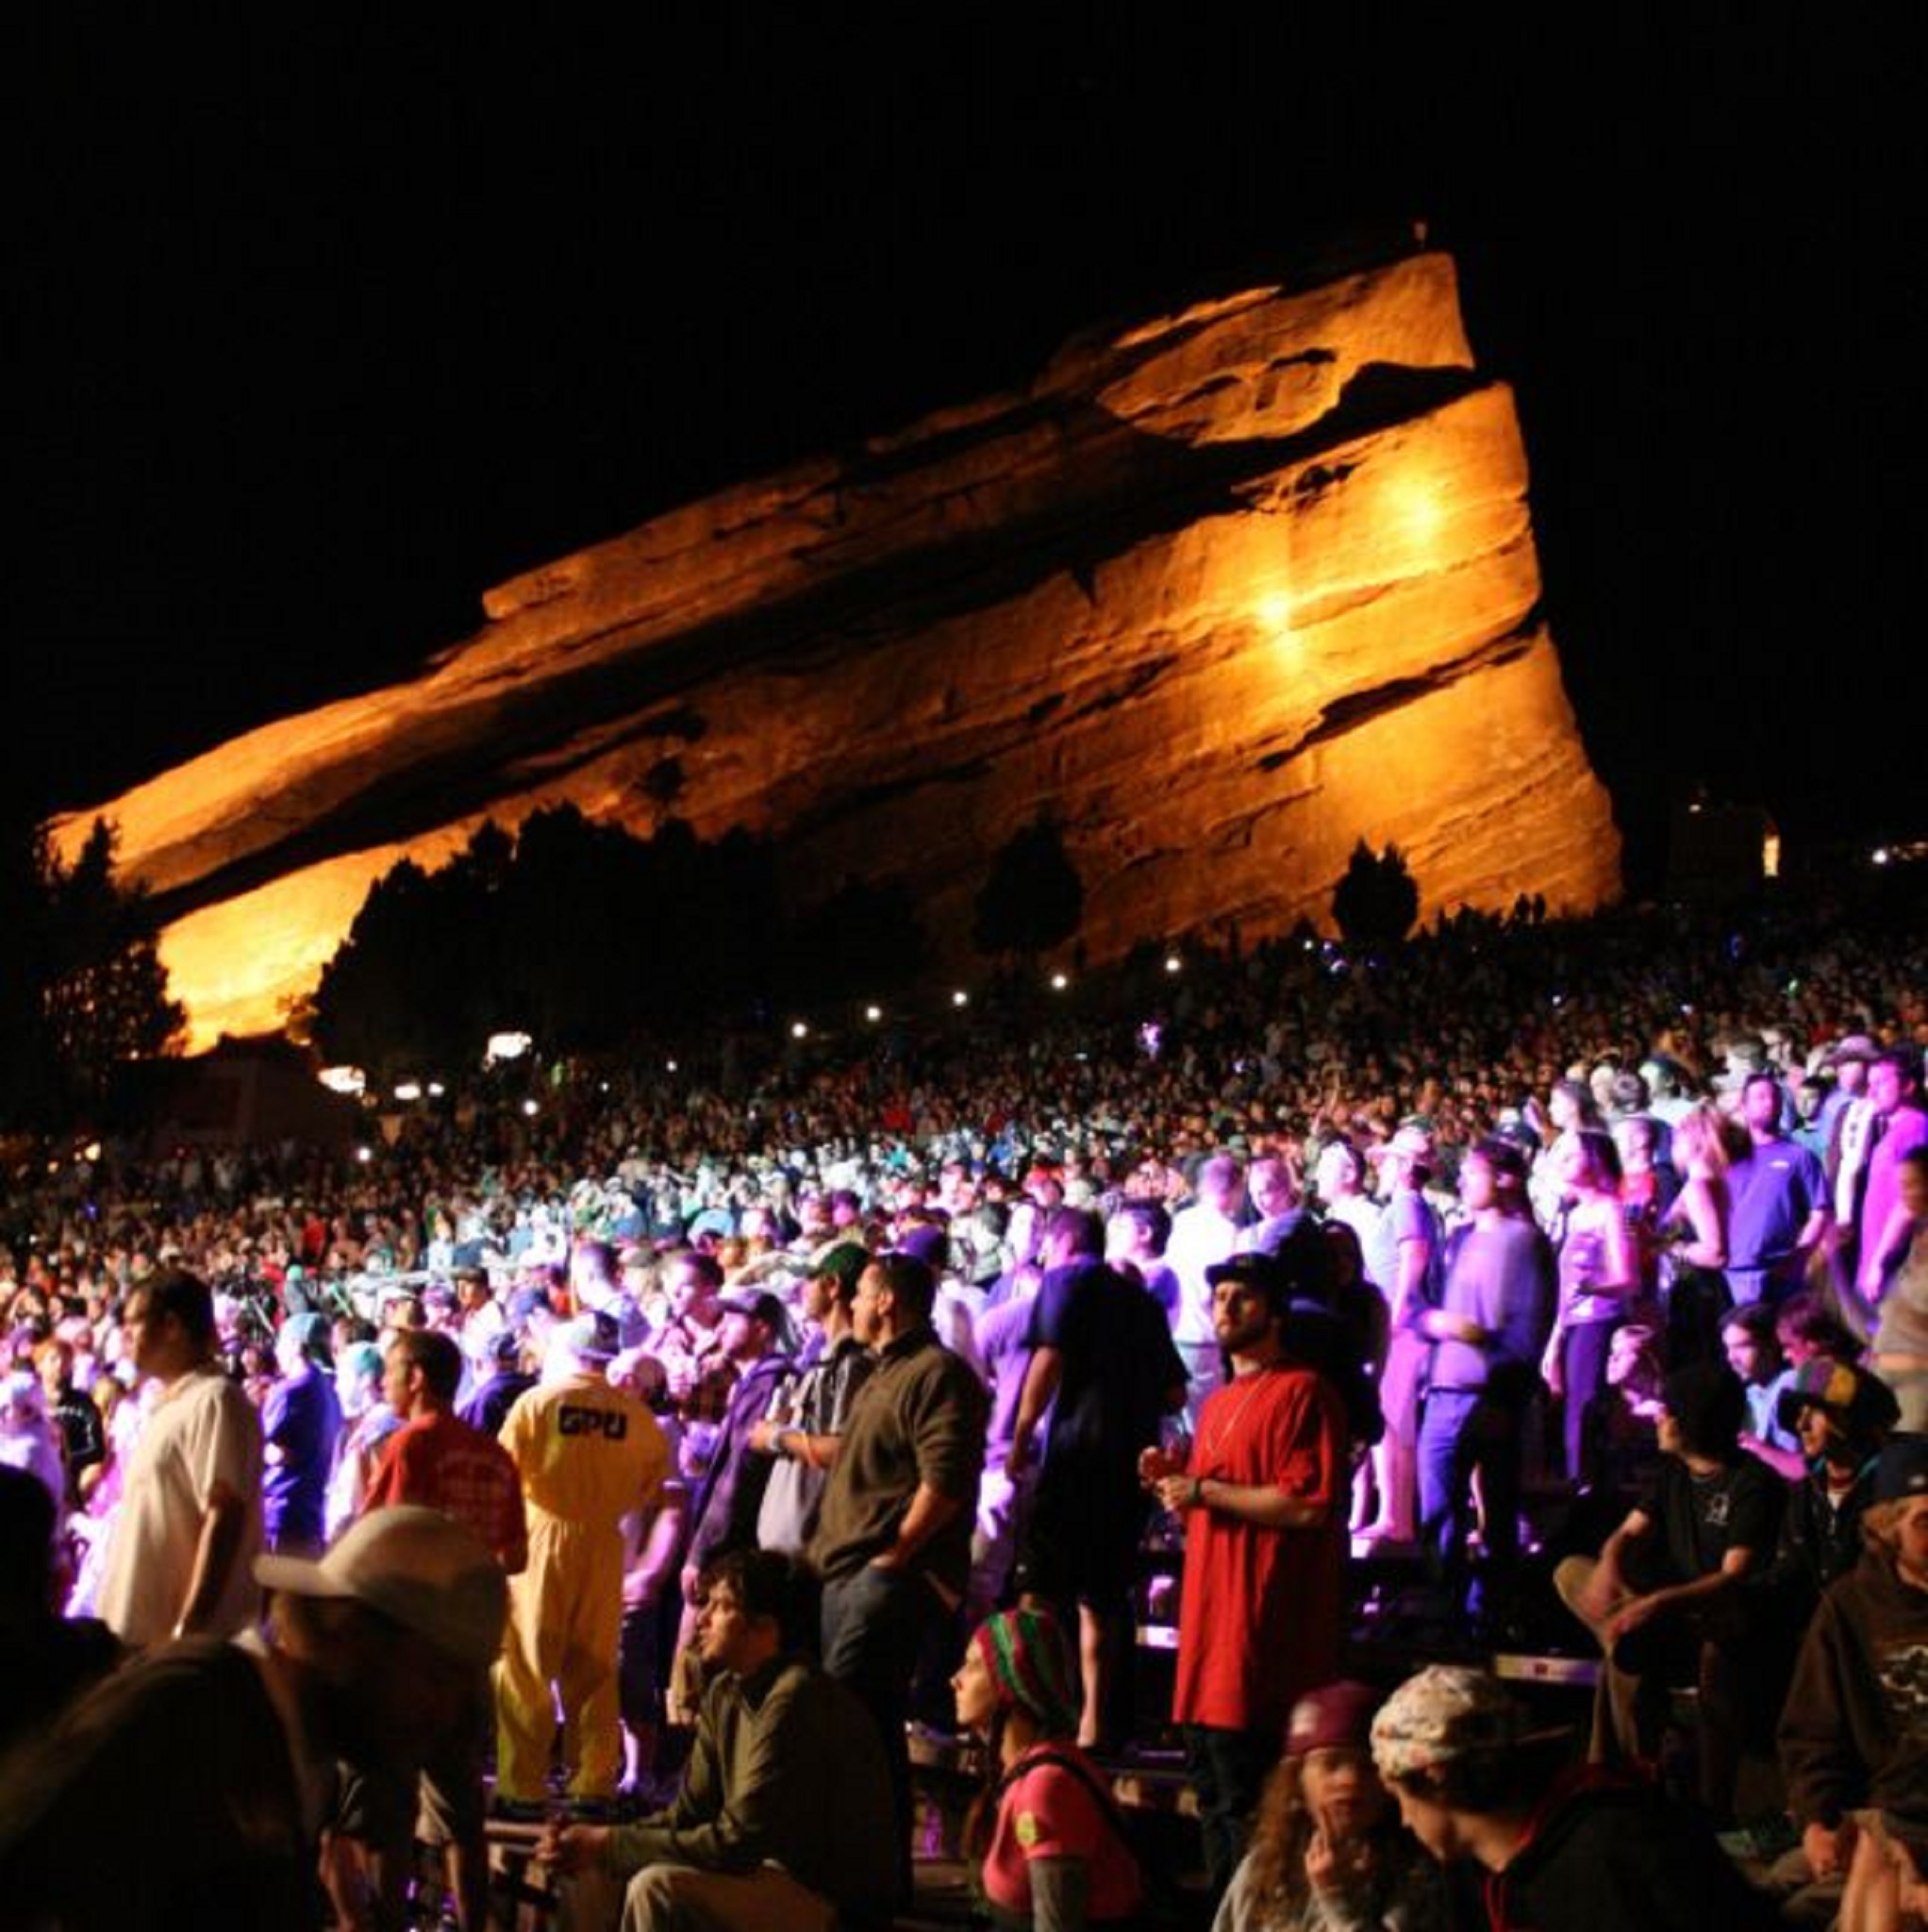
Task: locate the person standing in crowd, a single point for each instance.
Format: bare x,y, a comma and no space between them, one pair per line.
83,1433
1898,1351
1273,1188
367,1423
726,1501
811,1413
301,1420
690,1344
1693,1280
1487,1335
189,1525
894,1536
437,1461
1899,1125
1405,1259
201,1760
1135,1238
1104,1365
1598,1282
1261,1499
1779,1215
1202,1233
587,1453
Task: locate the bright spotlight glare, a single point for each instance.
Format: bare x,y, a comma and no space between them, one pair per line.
960,998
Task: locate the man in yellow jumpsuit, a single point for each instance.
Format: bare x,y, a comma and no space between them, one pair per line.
588,1453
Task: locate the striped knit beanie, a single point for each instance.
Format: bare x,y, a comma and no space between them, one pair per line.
1030,1663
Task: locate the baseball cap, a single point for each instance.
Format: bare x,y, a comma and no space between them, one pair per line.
759,1304
1903,1468
589,1338
418,1568
1858,1403
1856,1046
844,1261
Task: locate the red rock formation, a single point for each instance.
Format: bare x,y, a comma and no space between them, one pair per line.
1224,593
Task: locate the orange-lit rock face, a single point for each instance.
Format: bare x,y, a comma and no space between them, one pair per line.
1224,593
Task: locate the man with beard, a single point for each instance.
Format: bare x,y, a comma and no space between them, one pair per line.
1261,1499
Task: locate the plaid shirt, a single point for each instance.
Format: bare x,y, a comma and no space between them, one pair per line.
700,1375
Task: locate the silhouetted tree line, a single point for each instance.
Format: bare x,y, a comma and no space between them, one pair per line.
82,988
585,936
1375,901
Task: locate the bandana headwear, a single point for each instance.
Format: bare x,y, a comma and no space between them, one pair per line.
1030,1663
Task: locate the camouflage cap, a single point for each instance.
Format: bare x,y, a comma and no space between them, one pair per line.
1447,1712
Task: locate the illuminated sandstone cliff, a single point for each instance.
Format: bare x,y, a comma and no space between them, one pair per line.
1224,593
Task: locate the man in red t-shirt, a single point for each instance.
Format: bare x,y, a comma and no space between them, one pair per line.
438,1460
1262,1499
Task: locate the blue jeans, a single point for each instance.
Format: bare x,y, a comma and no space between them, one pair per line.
1464,1430
874,1625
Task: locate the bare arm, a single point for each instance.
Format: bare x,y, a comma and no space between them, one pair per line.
215,1555
1040,1384
1699,1209
1674,1596
1415,1252
642,1582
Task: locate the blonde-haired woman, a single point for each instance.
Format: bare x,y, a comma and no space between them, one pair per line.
1705,1143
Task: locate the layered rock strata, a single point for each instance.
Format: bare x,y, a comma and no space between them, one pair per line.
1221,594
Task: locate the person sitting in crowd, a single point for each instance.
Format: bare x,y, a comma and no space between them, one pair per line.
1564,1848
784,1821
1047,1847
1671,1598
1842,1415
1328,1851
1853,1732
1753,1349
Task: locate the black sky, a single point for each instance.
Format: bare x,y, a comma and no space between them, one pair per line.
326,327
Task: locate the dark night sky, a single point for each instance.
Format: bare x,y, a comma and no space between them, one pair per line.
324,330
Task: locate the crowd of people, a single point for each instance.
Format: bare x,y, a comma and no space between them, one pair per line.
765,1391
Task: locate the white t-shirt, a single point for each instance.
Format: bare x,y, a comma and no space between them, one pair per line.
203,1431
